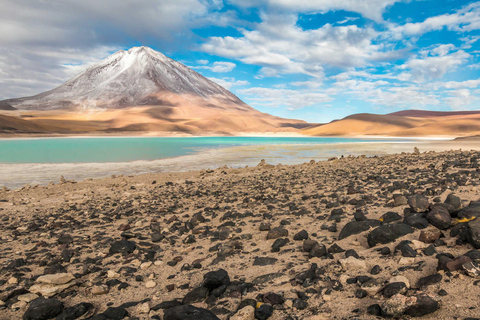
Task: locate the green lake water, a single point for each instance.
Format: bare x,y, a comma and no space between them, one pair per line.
44,160
87,150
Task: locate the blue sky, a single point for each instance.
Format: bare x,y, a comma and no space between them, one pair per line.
316,60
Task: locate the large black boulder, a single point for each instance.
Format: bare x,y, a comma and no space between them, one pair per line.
453,201
215,279
388,233
264,311
424,305
418,203
122,246
439,217
198,294
416,220
75,312
188,312
115,313
43,309
356,227
473,233
472,211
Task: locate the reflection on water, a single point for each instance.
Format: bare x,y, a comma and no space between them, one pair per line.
18,175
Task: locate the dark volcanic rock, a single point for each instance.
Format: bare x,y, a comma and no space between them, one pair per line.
453,201
300,304
280,242
215,279
405,249
335,248
418,203
390,216
308,245
457,263
472,211
157,236
443,259
75,312
374,310
264,312
264,261
166,305
428,280
351,253
301,235
319,250
439,217
416,220
198,294
122,246
356,227
424,305
116,313
429,236
43,309
188,312
473,233
277,232
65,239
388,233
392,289
17,263
273,298
473,254
399,200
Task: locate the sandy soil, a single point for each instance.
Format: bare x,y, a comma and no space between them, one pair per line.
213,219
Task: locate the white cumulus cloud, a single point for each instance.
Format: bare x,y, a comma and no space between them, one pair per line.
281,47
292,99
372,9
434,67
228,83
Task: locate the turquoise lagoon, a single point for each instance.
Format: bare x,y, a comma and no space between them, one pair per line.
44,160
84,150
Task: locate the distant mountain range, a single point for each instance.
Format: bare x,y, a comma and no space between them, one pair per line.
407,123
141,90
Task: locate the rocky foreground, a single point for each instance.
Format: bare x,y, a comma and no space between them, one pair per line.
350,238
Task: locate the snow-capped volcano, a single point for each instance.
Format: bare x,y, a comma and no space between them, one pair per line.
127,78
138,90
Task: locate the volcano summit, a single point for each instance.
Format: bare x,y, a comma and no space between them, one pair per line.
142,90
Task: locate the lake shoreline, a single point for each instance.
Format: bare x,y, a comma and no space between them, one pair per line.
18,175
11,136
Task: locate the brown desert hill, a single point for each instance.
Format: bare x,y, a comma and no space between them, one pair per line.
431,114
408,123
179,114
143,90
10,124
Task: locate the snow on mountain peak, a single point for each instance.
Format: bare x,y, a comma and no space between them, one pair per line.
126,78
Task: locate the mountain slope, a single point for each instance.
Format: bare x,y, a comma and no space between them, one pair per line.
5,106
127,78
417,123
143,90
